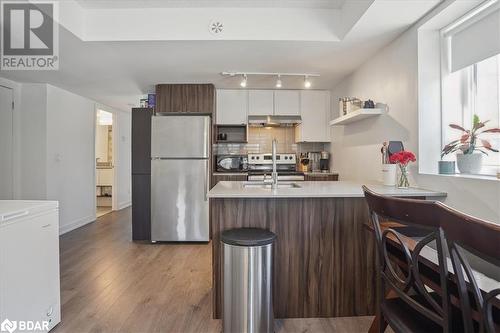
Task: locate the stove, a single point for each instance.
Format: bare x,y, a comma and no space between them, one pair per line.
260,167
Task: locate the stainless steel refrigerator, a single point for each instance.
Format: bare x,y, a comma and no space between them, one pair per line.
180,171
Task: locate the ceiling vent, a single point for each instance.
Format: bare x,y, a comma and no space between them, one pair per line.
216,27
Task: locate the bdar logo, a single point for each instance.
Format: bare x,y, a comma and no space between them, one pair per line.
8,326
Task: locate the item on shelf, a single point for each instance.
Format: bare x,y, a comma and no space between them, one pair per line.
144,103
402,159
151,100
470,161
222,137
349,104
369,104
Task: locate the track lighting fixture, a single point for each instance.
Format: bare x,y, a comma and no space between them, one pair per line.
243,82
307,83
278,82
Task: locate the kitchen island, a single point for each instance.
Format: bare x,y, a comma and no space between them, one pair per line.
324,257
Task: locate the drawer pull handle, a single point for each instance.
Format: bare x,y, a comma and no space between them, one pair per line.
14,215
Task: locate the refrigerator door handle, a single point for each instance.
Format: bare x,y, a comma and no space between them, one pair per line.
207,180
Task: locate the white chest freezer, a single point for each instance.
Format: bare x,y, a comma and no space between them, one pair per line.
29,264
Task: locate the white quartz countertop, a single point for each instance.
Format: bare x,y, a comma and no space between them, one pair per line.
312,189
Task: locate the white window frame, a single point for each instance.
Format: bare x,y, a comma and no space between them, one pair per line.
470,86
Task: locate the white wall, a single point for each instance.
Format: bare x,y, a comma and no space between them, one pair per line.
54,150
123,164
391,77
33,144
70,156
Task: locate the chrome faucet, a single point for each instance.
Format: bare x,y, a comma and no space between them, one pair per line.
274,175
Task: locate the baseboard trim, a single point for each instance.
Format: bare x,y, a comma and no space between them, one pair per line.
75,224
124,204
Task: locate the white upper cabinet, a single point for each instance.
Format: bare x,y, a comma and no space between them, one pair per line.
287,102
315,114
232,107
260,102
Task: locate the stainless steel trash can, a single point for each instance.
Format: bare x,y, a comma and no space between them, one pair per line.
247,280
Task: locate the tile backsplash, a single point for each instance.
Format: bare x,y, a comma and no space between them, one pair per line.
260,141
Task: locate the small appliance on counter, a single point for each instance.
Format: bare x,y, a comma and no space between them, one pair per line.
231,163
324,162
314,161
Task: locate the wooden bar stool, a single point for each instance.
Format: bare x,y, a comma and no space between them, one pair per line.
435,288
471,240
414,306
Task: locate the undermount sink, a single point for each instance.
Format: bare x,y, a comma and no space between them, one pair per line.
268,186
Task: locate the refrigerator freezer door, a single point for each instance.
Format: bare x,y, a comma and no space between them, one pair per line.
180,137
179,204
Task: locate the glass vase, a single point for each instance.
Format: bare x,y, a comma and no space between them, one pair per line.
403,181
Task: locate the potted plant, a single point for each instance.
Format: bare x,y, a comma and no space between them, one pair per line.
470,146
402,159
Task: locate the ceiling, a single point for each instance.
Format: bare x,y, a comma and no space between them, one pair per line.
337,4
118,72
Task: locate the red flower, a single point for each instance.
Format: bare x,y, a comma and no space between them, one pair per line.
403,157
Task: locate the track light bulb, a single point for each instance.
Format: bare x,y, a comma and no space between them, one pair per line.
307,83
243,82
278,82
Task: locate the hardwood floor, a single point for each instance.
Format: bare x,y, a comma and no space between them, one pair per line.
111,284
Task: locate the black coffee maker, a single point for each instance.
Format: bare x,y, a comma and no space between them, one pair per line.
324,162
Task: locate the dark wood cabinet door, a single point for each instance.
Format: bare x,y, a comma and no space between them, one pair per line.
141,140
320,177
141,207
198,98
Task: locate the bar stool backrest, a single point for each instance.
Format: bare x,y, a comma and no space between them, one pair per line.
423,215
465,234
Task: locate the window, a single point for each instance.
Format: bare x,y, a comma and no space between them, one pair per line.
471,81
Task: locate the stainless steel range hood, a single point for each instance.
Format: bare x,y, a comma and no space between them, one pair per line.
274,121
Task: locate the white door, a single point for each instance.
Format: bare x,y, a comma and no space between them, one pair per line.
6,143
260,102
232,107
287,102
314,109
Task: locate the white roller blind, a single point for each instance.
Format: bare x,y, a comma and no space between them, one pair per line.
475,41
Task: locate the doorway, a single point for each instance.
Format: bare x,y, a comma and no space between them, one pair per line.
6,143
104,162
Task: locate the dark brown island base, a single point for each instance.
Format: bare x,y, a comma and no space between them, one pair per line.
324,257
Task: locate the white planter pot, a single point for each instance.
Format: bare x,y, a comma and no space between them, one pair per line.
470,163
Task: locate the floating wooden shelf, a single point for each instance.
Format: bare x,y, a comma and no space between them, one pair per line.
356,116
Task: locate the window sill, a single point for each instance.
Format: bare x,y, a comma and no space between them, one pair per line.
463,176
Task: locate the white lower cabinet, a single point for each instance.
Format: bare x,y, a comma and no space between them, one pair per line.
315,114
104,177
